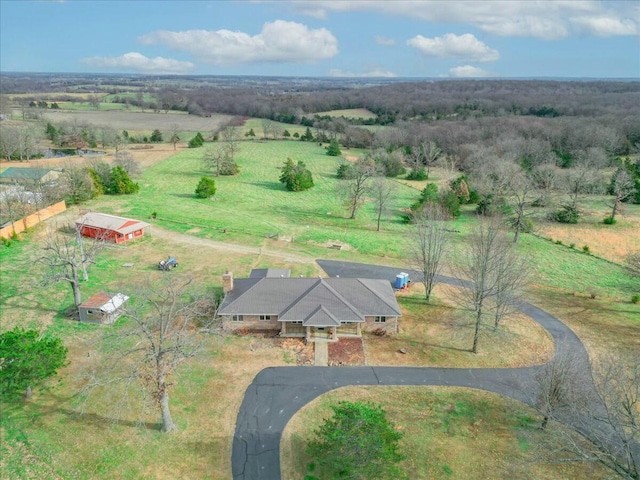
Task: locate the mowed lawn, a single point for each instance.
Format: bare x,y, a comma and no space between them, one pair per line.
254,205
448,433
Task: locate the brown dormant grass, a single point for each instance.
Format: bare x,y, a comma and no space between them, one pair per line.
441,334
448,433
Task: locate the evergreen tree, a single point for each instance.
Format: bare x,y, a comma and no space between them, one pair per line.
296,178
27,359
120,183
206,188
333,150
357,443
156,136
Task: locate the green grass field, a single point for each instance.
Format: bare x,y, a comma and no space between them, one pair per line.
47,439
255,204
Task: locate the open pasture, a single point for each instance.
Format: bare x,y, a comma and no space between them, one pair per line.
354,113
138,121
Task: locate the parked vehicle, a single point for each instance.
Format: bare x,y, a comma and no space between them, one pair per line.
168,264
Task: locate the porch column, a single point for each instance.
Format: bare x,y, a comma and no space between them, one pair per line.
359,329
308,334
283,328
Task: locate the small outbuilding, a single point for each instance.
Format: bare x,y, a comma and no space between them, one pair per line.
102,308
29,176
110,228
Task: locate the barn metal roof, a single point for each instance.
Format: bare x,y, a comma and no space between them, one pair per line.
111,222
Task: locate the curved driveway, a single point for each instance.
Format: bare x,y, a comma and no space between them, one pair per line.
277,393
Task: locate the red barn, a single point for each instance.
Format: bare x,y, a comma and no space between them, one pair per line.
110,228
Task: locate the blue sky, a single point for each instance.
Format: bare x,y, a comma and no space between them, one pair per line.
341,38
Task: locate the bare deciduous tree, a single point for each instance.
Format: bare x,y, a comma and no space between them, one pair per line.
623,187
584,176
602,407
488,264
520,194
124,159
357,186
166,326
66,257
381,192
430,243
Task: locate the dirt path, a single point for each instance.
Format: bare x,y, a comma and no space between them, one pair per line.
229,247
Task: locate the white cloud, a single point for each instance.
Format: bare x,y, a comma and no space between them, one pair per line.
606,26
469,71
546,19
449,45
385,41
136,62
375,72
279,41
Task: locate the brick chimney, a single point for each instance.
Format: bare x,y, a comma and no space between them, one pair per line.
227,282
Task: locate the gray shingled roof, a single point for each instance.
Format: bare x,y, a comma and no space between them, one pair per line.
270,272
314,301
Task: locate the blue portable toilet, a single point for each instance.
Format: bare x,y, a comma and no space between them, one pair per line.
405,281
399,280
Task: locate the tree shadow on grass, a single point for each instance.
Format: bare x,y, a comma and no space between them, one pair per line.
184,195
96,420
270,186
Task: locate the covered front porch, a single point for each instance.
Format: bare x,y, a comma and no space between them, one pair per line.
328,333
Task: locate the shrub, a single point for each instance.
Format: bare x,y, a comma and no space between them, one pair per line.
296,177
418,174
156,136
345,170
635,299
196,141
206,188
558,242
585,249
6,241
609,221
333,149
572,245
567,214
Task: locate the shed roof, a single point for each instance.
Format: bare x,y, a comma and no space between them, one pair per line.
105,302
111,222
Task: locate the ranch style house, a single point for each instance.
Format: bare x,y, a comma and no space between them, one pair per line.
310,308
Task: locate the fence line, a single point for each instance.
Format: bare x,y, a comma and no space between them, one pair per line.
29,221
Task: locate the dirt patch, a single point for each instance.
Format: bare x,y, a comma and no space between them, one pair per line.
346,351
150,155
296,348
351,158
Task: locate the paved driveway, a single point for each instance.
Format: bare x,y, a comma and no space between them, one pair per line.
277,393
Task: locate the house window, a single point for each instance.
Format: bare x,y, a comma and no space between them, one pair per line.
380,319
297,322
237,318
265,318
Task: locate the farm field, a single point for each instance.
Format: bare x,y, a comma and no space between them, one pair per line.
349,113
138,121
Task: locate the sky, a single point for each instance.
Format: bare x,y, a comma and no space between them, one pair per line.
325,38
